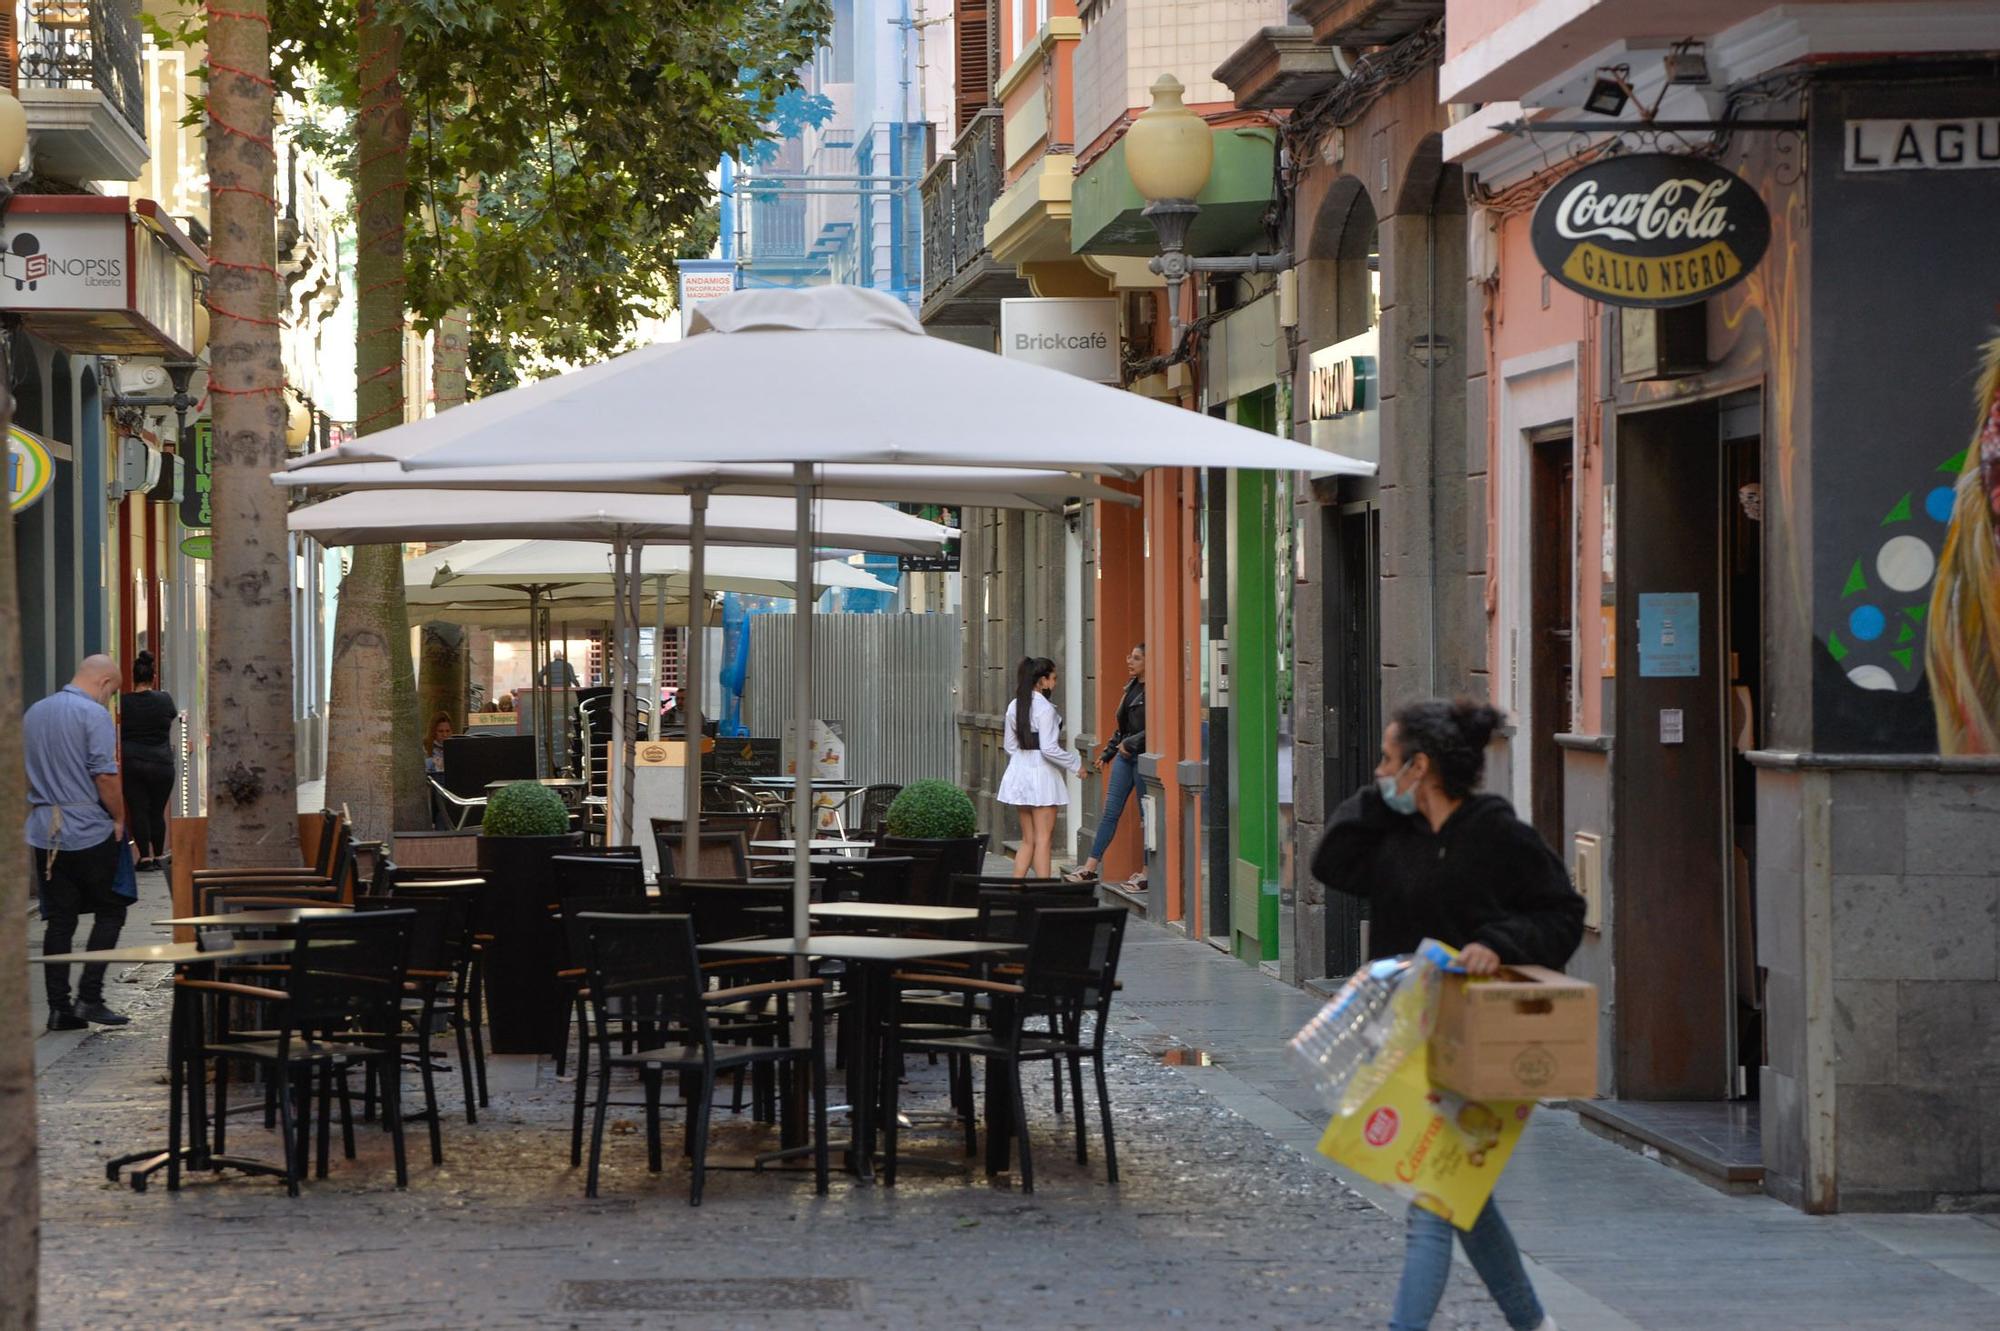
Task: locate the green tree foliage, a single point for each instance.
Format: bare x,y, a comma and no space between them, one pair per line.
591,129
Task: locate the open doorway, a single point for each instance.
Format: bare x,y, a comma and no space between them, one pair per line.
1689,1035
1552,606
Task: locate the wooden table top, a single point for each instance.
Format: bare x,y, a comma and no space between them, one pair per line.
860,947
176,954
277,917
892,912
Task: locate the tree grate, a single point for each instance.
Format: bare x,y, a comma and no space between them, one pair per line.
750,1294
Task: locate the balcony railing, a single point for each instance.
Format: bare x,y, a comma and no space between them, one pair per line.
958,193
88,44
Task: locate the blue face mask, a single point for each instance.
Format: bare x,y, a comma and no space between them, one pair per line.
1399,801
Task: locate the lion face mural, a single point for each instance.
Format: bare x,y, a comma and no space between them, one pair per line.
1963,648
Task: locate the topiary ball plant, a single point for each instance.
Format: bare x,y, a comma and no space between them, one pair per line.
525,809
931,811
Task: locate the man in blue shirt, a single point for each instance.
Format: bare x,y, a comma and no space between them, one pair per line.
76,824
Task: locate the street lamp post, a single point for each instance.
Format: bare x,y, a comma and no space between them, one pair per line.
1169,152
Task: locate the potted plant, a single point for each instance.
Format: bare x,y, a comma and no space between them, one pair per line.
934,822
525,824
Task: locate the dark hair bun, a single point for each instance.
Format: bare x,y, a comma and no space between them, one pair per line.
142,668
1454,735
1477,722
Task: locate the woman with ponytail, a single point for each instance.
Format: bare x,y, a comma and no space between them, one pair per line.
1036,764
1436,859
146,741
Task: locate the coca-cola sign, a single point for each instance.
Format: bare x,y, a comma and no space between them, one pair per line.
1651,230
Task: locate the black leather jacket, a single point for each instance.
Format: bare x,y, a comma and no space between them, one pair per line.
1131,733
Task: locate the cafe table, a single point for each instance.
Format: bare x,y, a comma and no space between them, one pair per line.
874,958
282,917
184,1025
890,912
841,844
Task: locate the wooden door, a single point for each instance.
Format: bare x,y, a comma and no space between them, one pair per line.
1670,891
1552,609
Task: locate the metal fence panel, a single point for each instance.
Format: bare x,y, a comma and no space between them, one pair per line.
890,680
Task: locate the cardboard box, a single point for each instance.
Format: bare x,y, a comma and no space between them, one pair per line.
1526,1034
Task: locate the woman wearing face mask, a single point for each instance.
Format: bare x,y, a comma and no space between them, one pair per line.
1437,860
1036,763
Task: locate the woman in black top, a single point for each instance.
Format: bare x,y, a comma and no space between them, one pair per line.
1119,762
1434,859
146,732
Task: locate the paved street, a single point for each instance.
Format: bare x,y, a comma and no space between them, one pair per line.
1223,1216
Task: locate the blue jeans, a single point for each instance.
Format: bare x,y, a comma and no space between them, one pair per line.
1118,784
1427,1265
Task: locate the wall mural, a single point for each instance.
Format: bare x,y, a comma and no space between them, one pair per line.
1964,610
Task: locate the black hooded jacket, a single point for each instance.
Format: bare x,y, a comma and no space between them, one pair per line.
1484,877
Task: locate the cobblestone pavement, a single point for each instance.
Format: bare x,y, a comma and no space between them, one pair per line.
1214,1222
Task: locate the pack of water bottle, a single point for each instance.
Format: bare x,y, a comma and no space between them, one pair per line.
1381,1016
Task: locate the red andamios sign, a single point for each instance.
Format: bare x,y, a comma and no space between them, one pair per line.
1650,230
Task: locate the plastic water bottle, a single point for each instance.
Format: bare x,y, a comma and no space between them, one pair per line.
1337,1048
1380,1016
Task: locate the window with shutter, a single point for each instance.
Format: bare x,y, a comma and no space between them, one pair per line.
972,22
9,51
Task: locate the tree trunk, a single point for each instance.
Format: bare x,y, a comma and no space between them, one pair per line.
443,677
20,1184
252,791
374,741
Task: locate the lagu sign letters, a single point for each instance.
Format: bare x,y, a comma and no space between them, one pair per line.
1924,145
1651,230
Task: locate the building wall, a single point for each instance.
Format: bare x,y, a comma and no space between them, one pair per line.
1431,635
1129,43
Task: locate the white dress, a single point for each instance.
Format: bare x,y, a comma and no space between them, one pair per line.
1034,777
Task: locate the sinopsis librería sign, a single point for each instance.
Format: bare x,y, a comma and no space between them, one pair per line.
1650,230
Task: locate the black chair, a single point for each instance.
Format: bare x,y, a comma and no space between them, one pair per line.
596,876
964,889
870,805
342,1009
574,977
600,878
438,929
402,878
1058,1012
937,861
723,854
332,868
884,878
458,994
643,972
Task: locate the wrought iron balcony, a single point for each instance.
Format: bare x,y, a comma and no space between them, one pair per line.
85,44
958,193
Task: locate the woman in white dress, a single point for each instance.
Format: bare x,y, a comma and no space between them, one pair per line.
1036,764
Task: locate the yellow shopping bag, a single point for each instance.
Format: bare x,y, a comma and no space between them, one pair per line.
1438,1149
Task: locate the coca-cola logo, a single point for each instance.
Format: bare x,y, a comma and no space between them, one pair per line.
1651,230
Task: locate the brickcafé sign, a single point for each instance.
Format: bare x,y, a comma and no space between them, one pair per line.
1077,335
1651,230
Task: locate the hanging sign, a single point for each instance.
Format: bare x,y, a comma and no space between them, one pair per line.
199,455
1651,230
29,471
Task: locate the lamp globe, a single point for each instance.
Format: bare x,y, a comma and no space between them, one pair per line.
1169,150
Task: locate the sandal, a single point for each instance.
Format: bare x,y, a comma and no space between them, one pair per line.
1080,876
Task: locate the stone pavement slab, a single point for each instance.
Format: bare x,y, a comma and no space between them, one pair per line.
1614,1240
1214,1222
